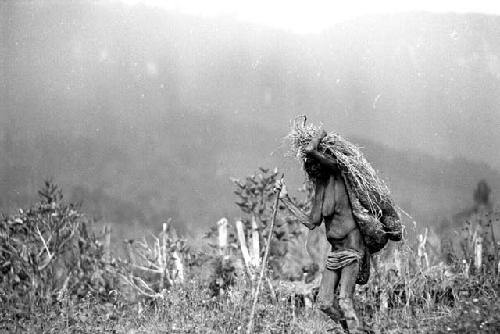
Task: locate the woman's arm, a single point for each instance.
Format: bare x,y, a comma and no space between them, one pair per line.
294,209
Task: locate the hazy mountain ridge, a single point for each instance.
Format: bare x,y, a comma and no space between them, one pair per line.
153,112
193,187
429,187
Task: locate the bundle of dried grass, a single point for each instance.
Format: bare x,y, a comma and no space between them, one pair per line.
370,189
362,180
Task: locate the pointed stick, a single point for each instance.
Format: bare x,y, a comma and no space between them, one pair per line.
264,259
495,248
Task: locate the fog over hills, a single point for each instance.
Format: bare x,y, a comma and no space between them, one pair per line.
143,114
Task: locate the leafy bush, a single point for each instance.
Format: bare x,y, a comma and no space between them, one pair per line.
255,198
48,252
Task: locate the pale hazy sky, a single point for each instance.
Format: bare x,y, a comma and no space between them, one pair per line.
306,16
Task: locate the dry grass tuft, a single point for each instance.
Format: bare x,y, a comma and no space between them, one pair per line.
368,186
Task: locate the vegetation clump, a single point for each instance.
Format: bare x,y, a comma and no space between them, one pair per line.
57,275
47,252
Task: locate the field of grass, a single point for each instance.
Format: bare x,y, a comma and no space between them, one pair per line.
189,309
57,276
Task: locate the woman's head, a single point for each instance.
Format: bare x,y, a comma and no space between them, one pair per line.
314,170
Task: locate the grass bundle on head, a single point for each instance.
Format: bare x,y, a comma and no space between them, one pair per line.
370,189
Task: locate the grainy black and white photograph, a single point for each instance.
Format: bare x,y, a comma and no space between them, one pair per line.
231,166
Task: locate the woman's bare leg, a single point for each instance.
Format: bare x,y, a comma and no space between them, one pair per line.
348,278
326,295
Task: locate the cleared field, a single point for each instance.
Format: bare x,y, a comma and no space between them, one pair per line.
59,276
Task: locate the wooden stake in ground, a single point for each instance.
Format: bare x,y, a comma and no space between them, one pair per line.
222,227
107,242
255,248
244,249
264,259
